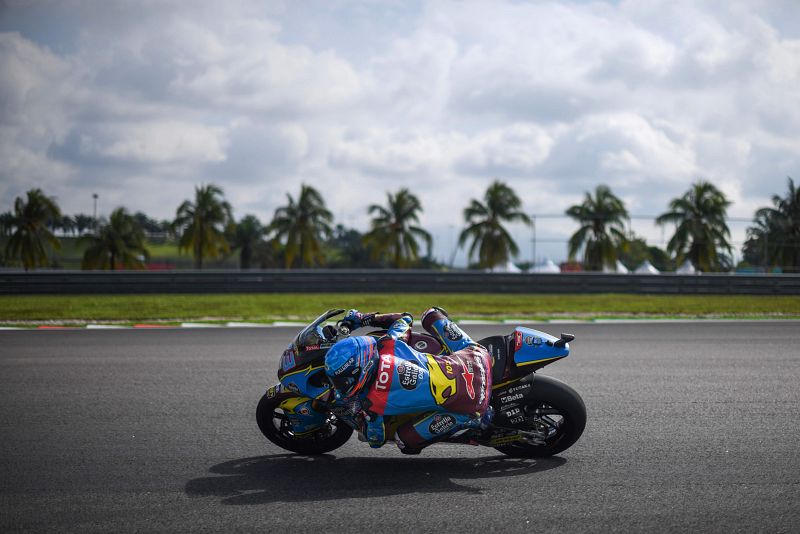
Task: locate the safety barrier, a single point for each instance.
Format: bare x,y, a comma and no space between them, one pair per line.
387,281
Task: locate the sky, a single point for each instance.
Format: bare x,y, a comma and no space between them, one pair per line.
141,101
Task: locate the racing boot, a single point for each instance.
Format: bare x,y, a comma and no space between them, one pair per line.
437,323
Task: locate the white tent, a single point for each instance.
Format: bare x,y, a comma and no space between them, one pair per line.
547,267
687,268
508,267
618,268
646,268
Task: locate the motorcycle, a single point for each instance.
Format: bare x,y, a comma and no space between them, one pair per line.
535,416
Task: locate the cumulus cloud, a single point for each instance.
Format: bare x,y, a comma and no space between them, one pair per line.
364,98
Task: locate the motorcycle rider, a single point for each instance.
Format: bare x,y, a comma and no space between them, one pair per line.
386,376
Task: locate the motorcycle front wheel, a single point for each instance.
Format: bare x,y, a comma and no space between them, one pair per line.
274,424
555,412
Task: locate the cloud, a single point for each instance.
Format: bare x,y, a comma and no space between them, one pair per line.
141,104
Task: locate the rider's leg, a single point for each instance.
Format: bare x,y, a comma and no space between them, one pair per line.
431,427
439,325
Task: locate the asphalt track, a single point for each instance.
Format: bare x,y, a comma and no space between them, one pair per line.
692,427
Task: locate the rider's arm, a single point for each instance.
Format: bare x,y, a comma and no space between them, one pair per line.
378,320
399,328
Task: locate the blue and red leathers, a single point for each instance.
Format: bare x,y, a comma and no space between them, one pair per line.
447,392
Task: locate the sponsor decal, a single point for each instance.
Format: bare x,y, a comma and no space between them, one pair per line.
441,423
511,398
291,386
379,391
287,360
484,385
409,375
271,392
517,340
497,441
304,410
384,381
442,381
311,347
517,420
349,363
421,345
533,341
522,387
512,412
468,376
453,332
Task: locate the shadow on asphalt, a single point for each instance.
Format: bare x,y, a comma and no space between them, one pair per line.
291,478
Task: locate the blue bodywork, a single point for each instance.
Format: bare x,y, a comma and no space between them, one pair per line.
532,347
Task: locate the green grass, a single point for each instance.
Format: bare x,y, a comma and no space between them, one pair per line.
298,306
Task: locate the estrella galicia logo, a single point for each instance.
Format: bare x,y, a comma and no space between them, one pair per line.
409,375
441,423
453,332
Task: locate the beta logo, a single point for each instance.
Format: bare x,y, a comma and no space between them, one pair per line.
385,368
511,398
441,423
409,375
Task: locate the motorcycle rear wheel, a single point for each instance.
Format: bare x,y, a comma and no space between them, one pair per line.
274,424
557,407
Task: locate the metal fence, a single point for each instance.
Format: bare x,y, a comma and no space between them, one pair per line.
387,281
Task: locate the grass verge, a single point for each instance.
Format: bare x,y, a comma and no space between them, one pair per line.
79,309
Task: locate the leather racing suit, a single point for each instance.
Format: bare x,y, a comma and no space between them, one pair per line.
442,393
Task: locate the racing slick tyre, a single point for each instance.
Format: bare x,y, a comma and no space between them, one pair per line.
275,425
556,412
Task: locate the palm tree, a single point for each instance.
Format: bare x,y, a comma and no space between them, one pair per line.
602,232
6,223
701,234
248,237
31,238
775,238
120,243
202,223
490,239
303,224
83,223
394,234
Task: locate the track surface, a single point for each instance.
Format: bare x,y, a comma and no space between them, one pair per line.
692,426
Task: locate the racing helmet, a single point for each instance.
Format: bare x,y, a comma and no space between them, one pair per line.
349,364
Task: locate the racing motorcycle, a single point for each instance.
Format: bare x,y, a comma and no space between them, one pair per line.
535,416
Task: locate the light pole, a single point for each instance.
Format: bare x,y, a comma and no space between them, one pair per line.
452,244
94,215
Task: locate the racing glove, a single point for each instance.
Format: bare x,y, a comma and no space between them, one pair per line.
355,319
374,429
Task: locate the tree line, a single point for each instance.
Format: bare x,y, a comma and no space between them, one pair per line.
302,232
